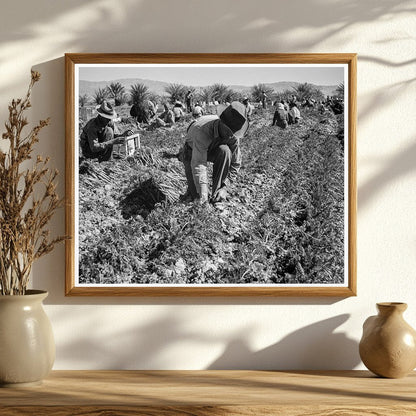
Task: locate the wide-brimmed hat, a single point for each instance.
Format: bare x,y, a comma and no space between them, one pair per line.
234,117
106,110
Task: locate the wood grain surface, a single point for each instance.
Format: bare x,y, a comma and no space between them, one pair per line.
210,393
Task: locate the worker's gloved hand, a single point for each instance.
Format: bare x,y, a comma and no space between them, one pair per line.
220,195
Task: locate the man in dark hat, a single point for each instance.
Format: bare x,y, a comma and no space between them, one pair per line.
98,137
215,139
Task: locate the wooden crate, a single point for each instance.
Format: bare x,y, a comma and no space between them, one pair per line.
131,144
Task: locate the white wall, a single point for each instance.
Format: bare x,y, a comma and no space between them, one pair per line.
194,333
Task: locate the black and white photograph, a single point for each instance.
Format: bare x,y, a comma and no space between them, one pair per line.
211,175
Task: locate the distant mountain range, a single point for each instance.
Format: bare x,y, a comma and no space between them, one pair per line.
158,87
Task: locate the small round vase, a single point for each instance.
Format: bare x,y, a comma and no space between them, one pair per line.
27,347
388,345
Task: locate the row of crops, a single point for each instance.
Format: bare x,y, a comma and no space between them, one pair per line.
282,224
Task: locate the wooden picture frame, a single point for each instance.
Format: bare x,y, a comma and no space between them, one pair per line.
75,64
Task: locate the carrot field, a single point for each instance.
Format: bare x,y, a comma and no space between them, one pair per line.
283,222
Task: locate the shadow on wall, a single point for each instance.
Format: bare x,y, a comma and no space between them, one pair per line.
29,35
396,167
143,347
134,26
131,19
382,97
313,347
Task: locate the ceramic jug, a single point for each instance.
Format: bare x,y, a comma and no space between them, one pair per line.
388,345
27,347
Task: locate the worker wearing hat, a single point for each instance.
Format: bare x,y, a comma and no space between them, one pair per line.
98,138
249,107
215,139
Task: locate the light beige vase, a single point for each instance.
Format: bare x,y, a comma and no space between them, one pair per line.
388,344
27,347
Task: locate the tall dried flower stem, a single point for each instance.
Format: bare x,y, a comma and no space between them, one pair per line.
23,217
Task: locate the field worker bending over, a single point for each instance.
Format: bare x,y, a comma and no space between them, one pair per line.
178,111
98,138
280,117
294,114
214,139
197,111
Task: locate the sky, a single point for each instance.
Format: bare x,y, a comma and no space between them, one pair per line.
203,75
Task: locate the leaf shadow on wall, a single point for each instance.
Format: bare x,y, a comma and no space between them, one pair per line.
130,18
134,25
142,347
316,346
400,164
244,26
396,167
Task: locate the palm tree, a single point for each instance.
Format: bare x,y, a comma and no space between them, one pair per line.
219,92
231,95
115,91
83,100
306,91
176,92
257,91
340,91
100,95
285,95
204,95
139,93
123,99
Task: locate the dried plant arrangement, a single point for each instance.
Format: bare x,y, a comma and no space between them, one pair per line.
28,199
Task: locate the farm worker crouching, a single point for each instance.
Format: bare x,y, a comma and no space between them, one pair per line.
143,112
215,139
98,138
167,116
197,111
294,114
178,111
280,117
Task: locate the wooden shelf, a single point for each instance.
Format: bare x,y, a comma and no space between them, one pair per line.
208,393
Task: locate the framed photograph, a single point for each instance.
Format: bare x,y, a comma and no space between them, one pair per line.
211,174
